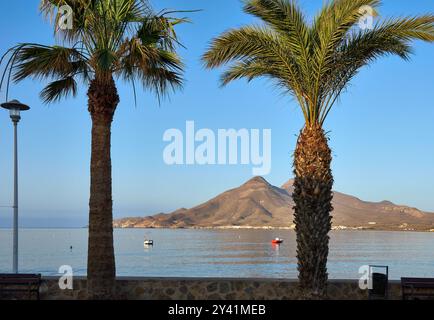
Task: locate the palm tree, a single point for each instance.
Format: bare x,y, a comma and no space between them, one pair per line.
109,39
314,62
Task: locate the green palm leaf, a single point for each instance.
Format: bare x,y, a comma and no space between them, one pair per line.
316,62
59,89
121,38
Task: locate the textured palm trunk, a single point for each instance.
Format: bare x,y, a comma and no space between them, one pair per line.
312,196
101,270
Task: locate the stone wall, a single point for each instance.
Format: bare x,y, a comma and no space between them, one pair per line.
206,288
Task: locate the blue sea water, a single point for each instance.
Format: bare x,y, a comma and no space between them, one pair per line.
220,253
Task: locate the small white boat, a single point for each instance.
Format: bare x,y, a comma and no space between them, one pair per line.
148,243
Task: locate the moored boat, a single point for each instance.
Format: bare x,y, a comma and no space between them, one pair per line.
148,242
277,241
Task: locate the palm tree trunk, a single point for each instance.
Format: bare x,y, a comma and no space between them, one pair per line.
101,270
312,196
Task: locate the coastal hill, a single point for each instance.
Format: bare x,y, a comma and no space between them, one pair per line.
258,204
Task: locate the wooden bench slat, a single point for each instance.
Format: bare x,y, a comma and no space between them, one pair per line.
417,280
20,283
19,275
416,287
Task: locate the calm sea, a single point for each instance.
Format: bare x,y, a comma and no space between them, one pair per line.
220,253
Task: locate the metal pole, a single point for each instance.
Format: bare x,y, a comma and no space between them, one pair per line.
15,206
15,107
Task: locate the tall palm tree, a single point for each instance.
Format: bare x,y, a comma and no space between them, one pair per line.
314,62
110,39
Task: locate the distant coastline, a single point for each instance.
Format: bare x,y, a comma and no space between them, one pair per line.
336,228
258,205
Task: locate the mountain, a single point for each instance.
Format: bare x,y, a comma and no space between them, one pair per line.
258,204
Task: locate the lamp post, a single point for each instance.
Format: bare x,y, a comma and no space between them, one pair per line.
15,107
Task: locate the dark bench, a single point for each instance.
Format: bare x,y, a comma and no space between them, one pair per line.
417,288
19,286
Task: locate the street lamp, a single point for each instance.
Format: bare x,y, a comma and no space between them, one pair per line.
15,107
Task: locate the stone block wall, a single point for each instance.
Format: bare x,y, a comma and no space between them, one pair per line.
209,289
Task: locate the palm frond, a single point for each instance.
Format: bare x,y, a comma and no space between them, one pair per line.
408,28
59,89
39,61
157,69
258,43
316,62
391,37
252,42
287,19
108,38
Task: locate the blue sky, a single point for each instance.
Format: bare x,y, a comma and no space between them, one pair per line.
381,131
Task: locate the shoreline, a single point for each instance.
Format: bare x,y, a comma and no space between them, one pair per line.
337,228
223,228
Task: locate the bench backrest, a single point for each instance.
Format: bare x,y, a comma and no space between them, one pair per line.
19,286
417,282
19,275
20,278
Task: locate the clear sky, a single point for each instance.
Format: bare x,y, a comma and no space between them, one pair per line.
381,131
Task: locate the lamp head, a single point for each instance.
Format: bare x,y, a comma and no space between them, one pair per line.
15,107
